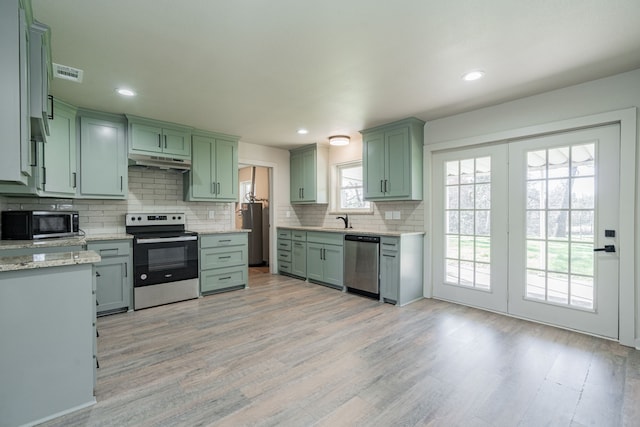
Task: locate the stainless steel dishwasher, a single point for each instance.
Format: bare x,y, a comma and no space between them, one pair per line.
361,264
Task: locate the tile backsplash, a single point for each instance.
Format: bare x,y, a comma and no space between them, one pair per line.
150,190
386,216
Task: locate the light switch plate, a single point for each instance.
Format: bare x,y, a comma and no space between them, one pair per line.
212,214
388,215
396,214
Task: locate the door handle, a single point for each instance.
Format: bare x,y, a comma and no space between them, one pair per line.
381,186
607,248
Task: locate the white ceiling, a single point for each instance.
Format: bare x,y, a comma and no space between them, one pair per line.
261,69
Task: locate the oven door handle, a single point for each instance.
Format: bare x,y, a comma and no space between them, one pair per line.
167,239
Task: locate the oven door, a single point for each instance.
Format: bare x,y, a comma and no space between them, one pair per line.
164,259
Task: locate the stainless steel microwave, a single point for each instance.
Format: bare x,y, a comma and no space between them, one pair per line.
30,225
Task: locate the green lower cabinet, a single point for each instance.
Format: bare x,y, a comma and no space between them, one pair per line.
401,269
223,262
325,264
114,276
389,276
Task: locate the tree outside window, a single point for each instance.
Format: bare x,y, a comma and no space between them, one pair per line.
350,188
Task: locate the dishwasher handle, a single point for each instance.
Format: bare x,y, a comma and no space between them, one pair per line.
362,238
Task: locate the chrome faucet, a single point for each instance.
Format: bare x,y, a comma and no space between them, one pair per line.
345,218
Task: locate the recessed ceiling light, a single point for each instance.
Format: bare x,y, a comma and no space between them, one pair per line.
303,131
125,92
473,75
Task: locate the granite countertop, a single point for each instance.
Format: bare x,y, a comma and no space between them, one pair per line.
108,236
43,243
233,230
27,262
356,231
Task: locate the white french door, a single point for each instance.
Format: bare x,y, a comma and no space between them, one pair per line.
470,192
557,199
564,195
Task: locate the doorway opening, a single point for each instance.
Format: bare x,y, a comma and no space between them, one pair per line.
253,212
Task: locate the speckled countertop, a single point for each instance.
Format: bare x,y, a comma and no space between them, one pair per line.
56,259
43,243
108,236
357,231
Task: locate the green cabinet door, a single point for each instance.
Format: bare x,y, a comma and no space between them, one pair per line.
299,259
389,276
373,158
333,265
226,169
112,291
201,174
397,164
60,152
315,264
309,175
103,158
146,138
296,177
176,142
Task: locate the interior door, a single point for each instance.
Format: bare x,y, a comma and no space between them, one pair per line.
564,192
470,227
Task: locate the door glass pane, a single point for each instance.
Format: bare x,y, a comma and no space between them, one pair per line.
468,222
560,225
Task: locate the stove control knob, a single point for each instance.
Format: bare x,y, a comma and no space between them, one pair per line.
174,217
179,217
139,218
143,276
133,218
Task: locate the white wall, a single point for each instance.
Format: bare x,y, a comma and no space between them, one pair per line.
565,105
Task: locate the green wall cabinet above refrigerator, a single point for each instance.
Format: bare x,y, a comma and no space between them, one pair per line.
392,161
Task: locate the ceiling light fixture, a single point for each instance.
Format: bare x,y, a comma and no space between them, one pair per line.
303,131
473,75
125,92
339,140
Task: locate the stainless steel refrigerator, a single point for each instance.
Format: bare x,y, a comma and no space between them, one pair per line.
252,219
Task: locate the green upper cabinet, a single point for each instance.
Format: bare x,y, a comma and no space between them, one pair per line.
392,161
40,76
103,157
15,162
60,177
214,168
150,137
308,174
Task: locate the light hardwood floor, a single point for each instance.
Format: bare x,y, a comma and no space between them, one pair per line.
290,353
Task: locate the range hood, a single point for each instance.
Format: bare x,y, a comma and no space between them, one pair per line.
159,162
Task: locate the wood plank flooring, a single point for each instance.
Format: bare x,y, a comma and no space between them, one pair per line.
289,353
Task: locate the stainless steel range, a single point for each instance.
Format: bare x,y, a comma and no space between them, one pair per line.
165,259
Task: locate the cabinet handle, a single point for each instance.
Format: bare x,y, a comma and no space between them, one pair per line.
389,256
50,97
385,186
224,278
34,153
213,188
97,274
121,182
223,241
126,269
165,141
44,175
303,193
224,257
74,179
218,190
382,186
159,141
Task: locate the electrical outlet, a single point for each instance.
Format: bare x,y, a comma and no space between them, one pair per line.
396,214
388,215
212,214
288,214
